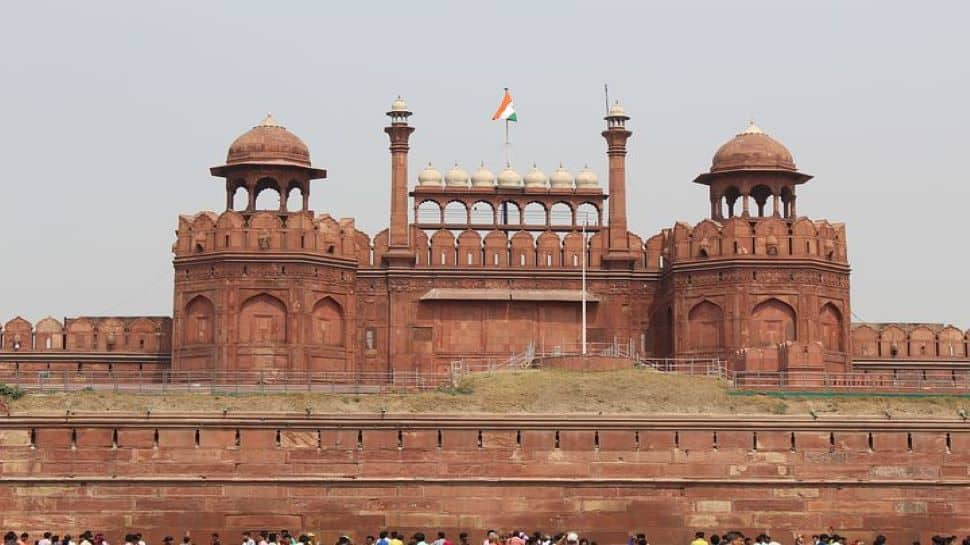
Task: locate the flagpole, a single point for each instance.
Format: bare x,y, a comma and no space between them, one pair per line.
585,221
508,146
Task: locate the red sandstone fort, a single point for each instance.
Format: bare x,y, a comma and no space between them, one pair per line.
489,265
492,265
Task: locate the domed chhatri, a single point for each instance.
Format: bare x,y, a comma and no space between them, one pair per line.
268,143
456,177
509,178
483,177
429,176
535,178
752,149
561,179
586,179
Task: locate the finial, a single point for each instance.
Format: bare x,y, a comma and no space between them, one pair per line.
752,128
268,121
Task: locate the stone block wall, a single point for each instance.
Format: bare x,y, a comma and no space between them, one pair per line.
605,478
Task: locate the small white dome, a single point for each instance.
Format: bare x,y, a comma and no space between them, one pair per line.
586,178
399,105
616,110
561,178
429,176
483,177
456,177
509,178
536,178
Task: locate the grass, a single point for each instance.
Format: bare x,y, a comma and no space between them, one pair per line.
529,391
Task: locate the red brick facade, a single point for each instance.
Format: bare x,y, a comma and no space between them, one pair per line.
602,477
489,266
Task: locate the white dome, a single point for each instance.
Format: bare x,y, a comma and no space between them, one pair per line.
586,178
456,177
429,176
483,177
561,178
536,178
509,178
616,110
399,105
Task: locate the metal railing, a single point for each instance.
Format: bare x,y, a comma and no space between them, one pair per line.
227,382
885,382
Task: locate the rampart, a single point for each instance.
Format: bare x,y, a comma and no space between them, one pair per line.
604,476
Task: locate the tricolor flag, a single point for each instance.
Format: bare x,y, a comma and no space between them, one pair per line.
505,110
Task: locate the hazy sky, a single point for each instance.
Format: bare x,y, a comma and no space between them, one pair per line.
115,111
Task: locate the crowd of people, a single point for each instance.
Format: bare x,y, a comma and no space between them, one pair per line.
492,537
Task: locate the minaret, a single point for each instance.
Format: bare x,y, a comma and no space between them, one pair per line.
400,252
618,255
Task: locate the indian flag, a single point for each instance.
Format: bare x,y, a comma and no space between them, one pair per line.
505,110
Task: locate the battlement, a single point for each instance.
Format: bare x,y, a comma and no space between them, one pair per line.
913,342
739,238
89,334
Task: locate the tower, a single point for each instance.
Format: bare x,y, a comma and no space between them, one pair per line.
266,288
400,252
756,283
618,254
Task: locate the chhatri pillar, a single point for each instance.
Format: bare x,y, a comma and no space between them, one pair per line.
618,254
400,251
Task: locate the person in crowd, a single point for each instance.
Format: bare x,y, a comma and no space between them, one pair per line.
186,540
463,539
247,539
369,540
396,538
45,539
715,539
214,540
733,538
441,540
382,538
699,539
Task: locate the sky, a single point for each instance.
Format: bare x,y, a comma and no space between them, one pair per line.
116,110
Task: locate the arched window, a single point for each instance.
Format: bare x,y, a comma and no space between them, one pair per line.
456,213
706,327
198,321
772,322
560,214
294,199
240,198
587,214
262,320
831,321
482,213
534,214
509,214
268,198
429,212
328,323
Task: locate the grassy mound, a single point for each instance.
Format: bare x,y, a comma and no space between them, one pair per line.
532,391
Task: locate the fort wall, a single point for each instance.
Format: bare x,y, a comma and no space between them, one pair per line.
601,476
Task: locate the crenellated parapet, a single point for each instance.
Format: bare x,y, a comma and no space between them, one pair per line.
88,334
267,232
912,342
741,238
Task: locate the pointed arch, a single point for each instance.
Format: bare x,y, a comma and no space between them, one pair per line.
198,321
328,322
772,322
705,327
262,320
831,326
